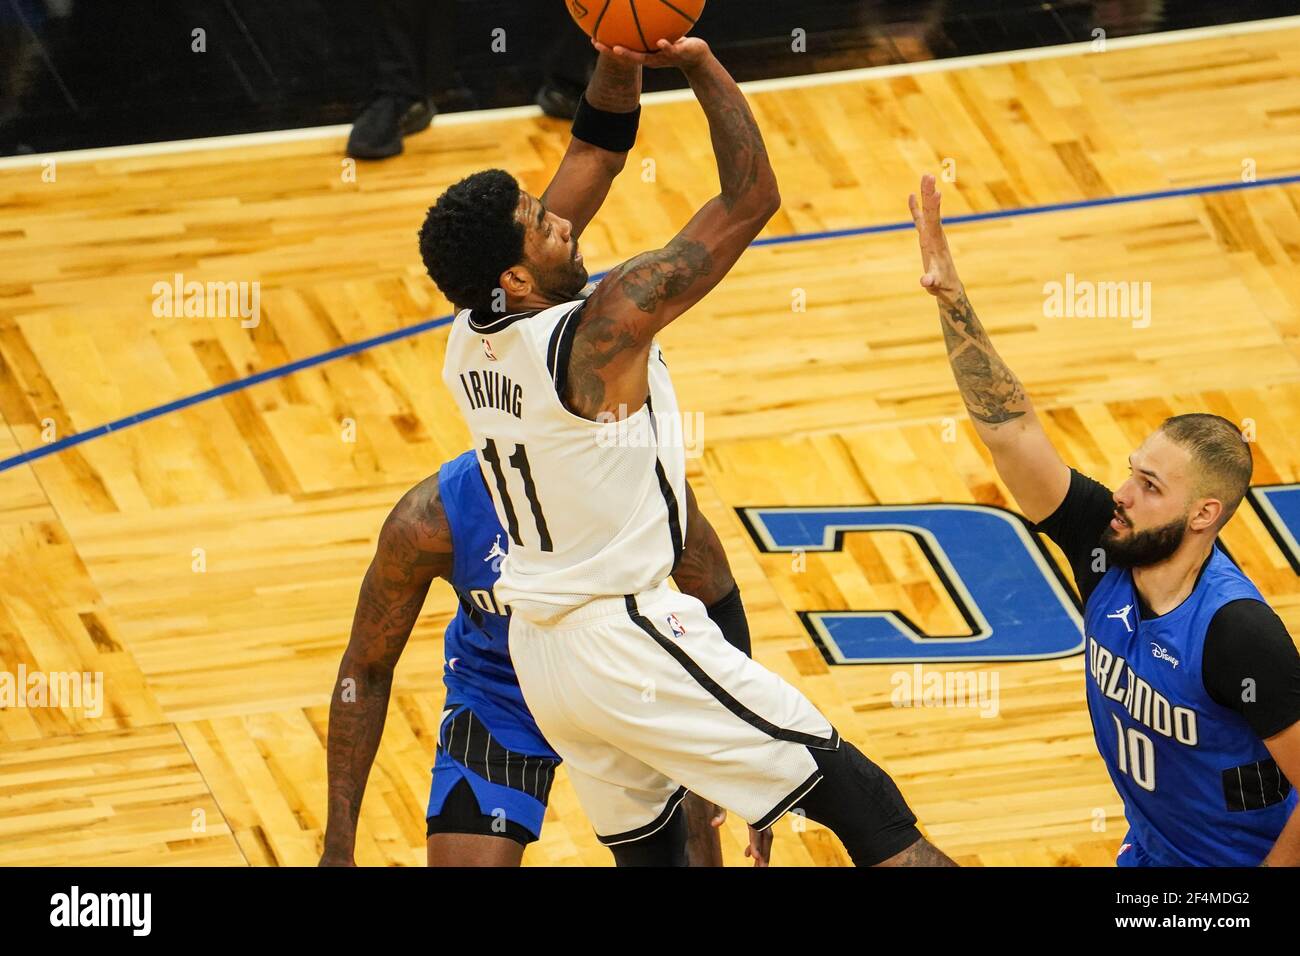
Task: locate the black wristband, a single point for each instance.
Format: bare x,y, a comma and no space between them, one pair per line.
729,615
615,132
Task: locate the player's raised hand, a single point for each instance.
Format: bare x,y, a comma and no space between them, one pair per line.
684,54
940,278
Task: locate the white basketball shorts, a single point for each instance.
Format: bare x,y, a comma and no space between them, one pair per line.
644,699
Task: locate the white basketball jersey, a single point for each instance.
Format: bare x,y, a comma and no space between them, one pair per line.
592,509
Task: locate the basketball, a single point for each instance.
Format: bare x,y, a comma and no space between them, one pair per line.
636,26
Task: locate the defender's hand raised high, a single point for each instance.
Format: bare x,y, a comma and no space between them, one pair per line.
940,278
1001,411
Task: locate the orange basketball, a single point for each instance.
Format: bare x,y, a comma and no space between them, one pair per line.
635,24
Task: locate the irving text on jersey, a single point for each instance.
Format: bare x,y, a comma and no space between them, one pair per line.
493,390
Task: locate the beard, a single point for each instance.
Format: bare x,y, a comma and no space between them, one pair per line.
1142,548
563,283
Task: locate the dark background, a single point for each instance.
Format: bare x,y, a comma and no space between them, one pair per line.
84,73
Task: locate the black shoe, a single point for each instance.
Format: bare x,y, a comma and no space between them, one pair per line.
378,131
559,100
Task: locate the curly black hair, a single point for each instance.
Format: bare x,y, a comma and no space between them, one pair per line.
471,236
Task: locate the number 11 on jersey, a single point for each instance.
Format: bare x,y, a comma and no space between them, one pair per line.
518,461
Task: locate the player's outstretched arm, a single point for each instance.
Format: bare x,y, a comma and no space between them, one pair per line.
414,548
603,134
1003,415
644,294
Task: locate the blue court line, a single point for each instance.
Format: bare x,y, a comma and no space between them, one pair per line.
1033,210
430,324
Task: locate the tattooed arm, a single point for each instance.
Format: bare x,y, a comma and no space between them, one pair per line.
607,367
1003,415
414,548
586,173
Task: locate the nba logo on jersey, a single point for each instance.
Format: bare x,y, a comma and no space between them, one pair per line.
487,350
676,626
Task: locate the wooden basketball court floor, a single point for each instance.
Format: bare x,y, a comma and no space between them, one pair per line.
206,561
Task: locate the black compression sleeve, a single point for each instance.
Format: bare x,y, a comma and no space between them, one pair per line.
729,615
615,132
665,847
1250,665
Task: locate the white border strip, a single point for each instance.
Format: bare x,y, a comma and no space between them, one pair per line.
242,140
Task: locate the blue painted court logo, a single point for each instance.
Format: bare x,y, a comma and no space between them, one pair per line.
1012,598
1278,507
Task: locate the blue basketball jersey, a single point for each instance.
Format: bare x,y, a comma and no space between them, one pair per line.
478,672
1198,785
